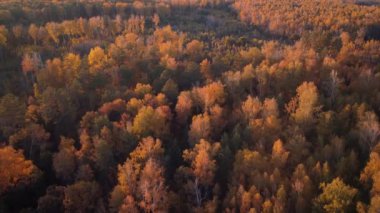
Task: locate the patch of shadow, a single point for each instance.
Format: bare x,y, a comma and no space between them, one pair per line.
372,32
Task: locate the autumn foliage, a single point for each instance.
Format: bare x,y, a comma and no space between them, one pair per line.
190,106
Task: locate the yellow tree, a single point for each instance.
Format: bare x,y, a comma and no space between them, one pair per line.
14,169
97,59
200,128
149,121
128,192
194,49
201,173
371,173
71,65
307,103
33,32
54,30
279,154
335,197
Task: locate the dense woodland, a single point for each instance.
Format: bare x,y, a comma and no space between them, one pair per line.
190,106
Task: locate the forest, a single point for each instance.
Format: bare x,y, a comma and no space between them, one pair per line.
189,106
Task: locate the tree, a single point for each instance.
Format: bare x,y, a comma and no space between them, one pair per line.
169,63
267,206
71,65
82,196
183,107
3,35
307,103
122,195
252,55
34,141
104,157
251,108
129,205
332,86
97,60
205,69
128,193
200,128
246,165
200,175
142,89
369,130
301,189
52,74
54,30
210,95
152,188
218,120
57,106
262,119
170,89
372,167
52,200
280,201
156,20
18,31
298,147
65,162
335,197
202,160
33,32
279,154
15,169
272,51
149,121
168,41
31,63
194,49
43,35
371,173
244,200
375,194
12,111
